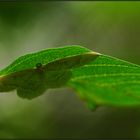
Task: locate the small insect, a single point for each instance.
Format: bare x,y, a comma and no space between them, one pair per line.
39,67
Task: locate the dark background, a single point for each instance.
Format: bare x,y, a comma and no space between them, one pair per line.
111,28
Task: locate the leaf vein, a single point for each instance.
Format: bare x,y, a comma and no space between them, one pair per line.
117,83
106,75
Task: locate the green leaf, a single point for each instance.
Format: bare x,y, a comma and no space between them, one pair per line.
98,79
29,61
107,81
31,80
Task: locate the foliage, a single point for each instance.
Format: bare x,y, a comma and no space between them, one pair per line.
98,79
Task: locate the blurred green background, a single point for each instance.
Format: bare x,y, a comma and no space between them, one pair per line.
111,28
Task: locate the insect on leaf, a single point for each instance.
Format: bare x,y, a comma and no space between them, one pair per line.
98,79
47,69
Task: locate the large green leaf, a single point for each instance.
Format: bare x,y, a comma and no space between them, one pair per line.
32,74
98,79
107,81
